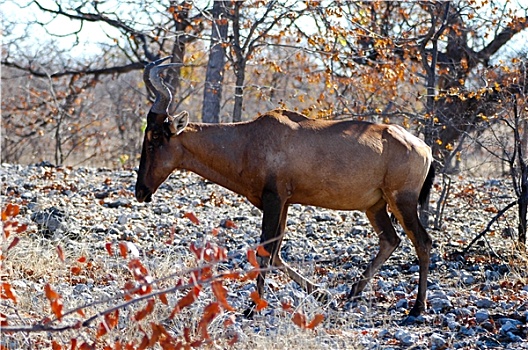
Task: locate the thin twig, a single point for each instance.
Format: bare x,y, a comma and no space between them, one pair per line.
488,227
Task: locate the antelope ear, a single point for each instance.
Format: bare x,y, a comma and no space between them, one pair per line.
177,123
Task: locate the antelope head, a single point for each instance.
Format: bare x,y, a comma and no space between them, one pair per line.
160,154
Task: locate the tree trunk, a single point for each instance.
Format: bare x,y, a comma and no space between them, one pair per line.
239,91
523,206
215,67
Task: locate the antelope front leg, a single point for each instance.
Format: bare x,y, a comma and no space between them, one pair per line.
274,209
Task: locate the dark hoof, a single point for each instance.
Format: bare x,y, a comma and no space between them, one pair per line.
410,320
407,321
353,294
250,311
417,309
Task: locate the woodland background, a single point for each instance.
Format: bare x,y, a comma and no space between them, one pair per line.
453,72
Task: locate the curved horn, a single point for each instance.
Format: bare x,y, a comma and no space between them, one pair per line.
151,77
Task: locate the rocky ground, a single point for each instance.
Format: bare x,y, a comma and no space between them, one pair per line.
478,300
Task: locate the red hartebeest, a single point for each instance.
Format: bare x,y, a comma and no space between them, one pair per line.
283,157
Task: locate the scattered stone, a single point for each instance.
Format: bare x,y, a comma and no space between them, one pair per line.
49,221
484,303
405,337
481,316
437,341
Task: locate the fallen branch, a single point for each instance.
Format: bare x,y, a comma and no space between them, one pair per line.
488,227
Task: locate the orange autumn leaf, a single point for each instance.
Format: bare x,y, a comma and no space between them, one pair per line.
233,340
13,243
230,320
50,293
82,259
123,249
220,293
261,251
299,319
163,298
196,251
55,345
102,330
7,292
111,319
75,270
315,322
260,303
230,224
60,252
215,231
81,312
286,306
108,247
192,217
144,343
252,258
11,210
251,275
147,310
56,307
73,344
3,320
187,300
86,346
210,312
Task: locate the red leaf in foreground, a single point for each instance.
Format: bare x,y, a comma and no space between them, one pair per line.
144,343
252,258
230,224
11,210
299,319
86,346
259,302
220,293
163,298
50,293
101,330
111,319
123,249
108,247
73,344
251,275
56,307
14,242
55,345
187,300
141,314
286,306
192,217
60,252
261,251
7,292
316,321
3,320
210,312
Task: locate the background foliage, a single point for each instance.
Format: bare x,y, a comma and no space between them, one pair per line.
72,89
